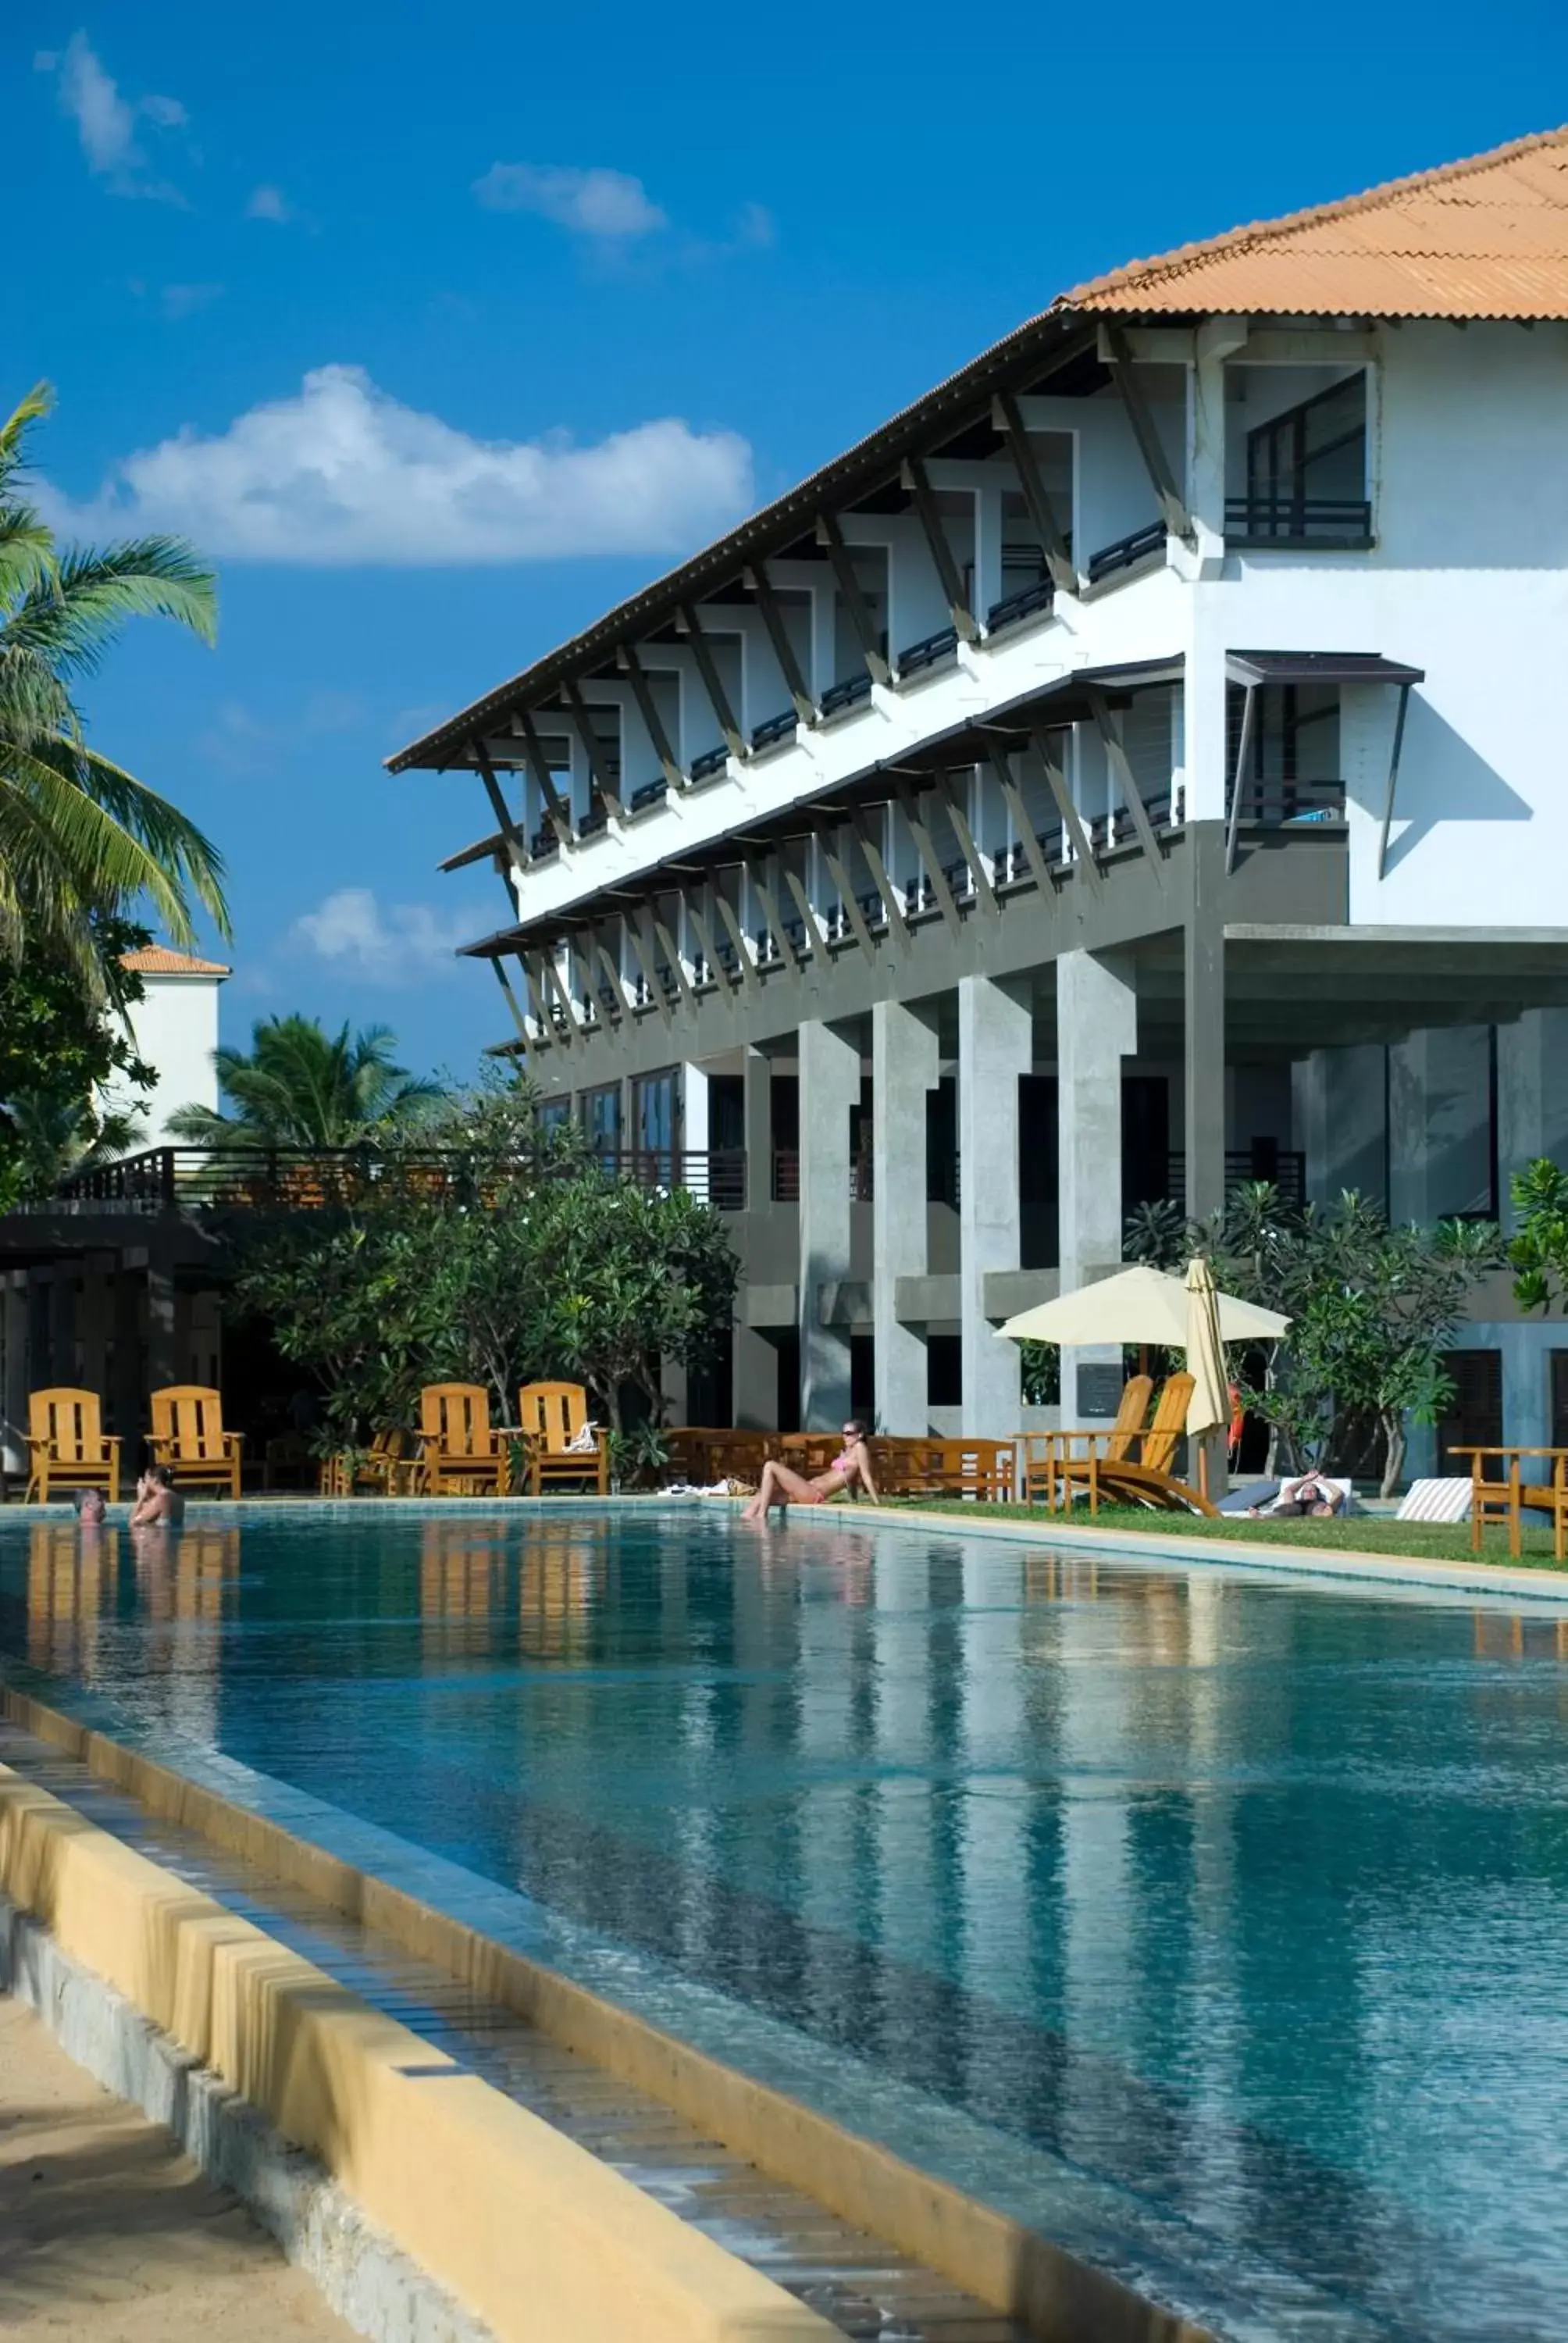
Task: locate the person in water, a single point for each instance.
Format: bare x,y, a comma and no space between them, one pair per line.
850,1469
157,1499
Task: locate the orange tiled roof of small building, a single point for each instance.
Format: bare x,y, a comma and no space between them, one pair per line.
1483,238
158,959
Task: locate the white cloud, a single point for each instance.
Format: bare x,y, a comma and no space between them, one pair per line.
756,226
344,474
402,943
611,205
180,300
107,122
268,202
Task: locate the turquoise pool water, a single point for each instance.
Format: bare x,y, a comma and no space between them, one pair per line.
1216,1923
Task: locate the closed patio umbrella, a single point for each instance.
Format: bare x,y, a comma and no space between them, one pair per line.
1138,1305
1210,1405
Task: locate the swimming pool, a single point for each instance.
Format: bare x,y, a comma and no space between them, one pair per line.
1216,1923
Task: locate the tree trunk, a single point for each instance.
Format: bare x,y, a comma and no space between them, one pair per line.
1394,1452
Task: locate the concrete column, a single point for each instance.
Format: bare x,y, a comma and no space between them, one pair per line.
1339,1112
1204,1023
903,1071
1096,1028
830,1087
996,1045
1531,1096
756,1392
1439,1123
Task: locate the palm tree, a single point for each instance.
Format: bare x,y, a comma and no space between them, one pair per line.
55,1139
302,1087
78,835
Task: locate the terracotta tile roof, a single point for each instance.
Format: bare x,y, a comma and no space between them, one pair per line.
158,959
1483,238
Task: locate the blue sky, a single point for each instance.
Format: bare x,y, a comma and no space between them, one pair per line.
441,329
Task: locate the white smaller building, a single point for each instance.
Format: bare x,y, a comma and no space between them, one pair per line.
174,1030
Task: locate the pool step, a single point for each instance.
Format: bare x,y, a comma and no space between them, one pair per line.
866,2289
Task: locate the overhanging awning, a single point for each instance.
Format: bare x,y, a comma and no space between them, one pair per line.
1317,667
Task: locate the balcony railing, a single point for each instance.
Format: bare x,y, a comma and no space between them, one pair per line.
774,729
1278,804
928,652
1013,609
1284,1168
787,1177
711,761
650,793
544,843
1343,522
313,1178
847,694
1126,551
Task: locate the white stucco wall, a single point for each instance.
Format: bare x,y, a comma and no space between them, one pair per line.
175,1029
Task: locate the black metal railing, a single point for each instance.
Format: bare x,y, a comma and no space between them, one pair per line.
711,761
787,1177
650,793
1335,522
774,728
928,652
1027,603
544,843
847,694
1275,804
313,1178
1126,551
1285,1167
595,819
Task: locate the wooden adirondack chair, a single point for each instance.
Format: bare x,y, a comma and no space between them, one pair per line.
1150,1482
457,1448
66,1445
554,1415
188,1436
1043,1451
384,1467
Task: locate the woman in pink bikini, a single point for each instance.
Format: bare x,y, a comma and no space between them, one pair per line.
852,1469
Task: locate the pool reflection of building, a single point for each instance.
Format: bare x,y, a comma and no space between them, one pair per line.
71,1583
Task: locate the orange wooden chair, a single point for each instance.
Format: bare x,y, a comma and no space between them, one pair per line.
555,1416
1149,1481
188,1436
66,1444
1043,1451
459,1450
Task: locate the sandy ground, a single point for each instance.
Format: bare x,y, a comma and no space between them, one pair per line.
107,2233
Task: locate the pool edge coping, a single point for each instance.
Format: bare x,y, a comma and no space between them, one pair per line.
1018,2271
1308,1561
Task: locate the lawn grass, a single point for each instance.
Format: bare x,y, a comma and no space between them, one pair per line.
1363,1533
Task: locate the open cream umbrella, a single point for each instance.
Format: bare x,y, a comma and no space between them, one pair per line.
1138,1305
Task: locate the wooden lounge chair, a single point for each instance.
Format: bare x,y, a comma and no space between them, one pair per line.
383,1468
1117,1481
457,1449
66,1445
1043,1451
554,1415
188,1436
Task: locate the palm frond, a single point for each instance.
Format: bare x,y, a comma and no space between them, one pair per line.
37,403
73,617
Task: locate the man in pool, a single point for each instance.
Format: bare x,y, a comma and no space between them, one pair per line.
850,1469
157,1499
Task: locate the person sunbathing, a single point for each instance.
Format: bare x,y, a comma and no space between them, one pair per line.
1311,1494
850,1469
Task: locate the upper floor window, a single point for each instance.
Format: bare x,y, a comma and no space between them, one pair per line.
1305,472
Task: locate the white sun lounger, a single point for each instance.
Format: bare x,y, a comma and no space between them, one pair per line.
1445,1500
